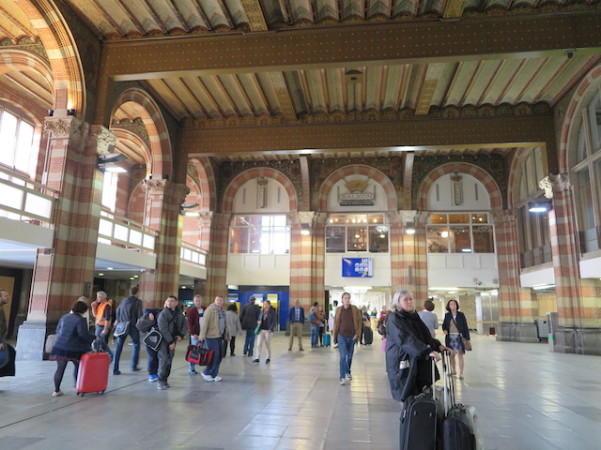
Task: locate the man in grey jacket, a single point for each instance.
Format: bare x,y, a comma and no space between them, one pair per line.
169,327
129,311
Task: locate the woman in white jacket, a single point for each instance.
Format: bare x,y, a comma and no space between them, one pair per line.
232,322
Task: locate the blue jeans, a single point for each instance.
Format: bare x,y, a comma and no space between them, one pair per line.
192,366
314,335
249,342
346,346
102,344
214,344
134,334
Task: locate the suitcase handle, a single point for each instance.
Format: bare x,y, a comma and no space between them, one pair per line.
448,383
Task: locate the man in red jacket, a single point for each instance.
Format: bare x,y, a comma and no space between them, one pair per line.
194,318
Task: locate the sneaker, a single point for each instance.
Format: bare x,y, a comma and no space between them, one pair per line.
256,360
335,345
207,377
162,386
57,394
192,372
116,372
152,378
136,369
267,361
348,376
342,381
217,379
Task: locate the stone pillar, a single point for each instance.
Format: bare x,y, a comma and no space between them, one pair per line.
216,283
408,253
517,310
577,300
163,200
307,257
66,271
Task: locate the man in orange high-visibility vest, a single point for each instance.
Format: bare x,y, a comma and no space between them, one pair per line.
103,315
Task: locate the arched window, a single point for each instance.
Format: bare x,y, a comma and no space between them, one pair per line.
16,136
260,234
586,171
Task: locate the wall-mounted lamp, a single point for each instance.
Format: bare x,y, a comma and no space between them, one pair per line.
72,112
410,228
50,112
305,229
108,162
184,206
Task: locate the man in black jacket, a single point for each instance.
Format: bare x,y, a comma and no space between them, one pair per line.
249,319
169,327
129,311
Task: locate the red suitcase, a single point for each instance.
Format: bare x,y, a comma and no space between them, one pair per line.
93,374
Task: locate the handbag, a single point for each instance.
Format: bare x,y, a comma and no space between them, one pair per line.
49,343
144,324
198,354
121,329
466,344
153,339
258,328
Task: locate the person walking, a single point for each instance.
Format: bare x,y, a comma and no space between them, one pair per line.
194,318
103,321
429,317
232,322
153,356
169,329
347,329
249,319
315,319
454,326
213,332
73,339
267,322
129,311
296,318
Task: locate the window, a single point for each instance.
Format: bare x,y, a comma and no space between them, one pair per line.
460,233
109,190
260,235
357,233
16,136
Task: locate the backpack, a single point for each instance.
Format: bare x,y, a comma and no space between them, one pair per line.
144,324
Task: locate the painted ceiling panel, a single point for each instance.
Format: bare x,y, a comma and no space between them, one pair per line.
327,10
254,93
317,90
142,16
353,9
96,16
485,77
373,86
269,92
446,74
275,15
501,82
302,11
237,13
207,88
460,82
215,14
335,79
236,103
414,86
35,85
185,95
522,79
566,76
378,8
394,79
296,92
548,71
115,10
15,25
168,98
189,13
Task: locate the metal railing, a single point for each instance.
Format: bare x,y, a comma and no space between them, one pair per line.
114,229
25,200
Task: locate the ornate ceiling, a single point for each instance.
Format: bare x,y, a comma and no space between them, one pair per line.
330,91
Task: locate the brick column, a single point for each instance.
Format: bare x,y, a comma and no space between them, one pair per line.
307,257
163,200
66,271
408,253
577,300
217,256
517,310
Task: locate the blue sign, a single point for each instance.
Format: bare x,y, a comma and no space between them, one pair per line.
357,267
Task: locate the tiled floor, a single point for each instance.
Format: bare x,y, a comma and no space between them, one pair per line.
526,397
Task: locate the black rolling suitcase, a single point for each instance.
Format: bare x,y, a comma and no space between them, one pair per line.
368,336
460,426
419,420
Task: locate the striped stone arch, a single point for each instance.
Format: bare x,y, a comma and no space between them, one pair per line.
208,187
142,150
67,73
160,143
357,169
251,174
514,171
571,120
496,198
137,203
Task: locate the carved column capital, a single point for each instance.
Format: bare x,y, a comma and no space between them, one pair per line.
503,216
102,139
555,183
154,186
67,127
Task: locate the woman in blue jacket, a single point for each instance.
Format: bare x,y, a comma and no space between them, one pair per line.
73,339
454,327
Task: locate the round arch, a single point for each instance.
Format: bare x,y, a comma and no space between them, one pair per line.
207,184
496,199
149,112
251,174
357,169
572,119
68,79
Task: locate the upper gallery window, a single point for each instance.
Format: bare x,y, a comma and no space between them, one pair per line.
356,233
460,233
16,136
268,234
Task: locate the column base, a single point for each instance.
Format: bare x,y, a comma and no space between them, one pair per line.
583,341
30,341
517,332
